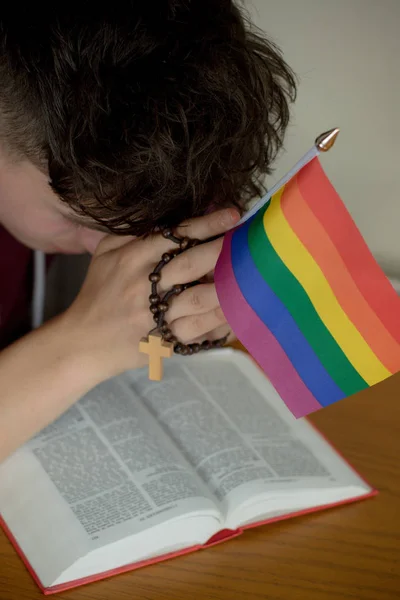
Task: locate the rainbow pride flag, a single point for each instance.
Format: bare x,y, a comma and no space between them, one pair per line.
303,293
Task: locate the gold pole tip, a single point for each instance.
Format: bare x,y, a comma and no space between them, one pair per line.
325,141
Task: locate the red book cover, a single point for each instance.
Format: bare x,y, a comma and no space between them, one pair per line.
218,538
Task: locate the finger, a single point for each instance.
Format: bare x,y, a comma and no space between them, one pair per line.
189,328
196,300
217,334
154,246
192,264
203,228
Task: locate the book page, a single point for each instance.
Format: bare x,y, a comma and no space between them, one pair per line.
231,425
105,470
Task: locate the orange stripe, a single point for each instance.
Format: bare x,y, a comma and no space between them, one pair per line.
314,237
324,201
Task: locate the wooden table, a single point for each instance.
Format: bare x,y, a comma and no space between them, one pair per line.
352,552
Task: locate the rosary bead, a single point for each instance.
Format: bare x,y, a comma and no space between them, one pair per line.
206,345
178,288
169,337
184,243
166,257
159,305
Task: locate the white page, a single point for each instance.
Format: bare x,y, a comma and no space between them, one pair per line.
104,471
231,425
107,470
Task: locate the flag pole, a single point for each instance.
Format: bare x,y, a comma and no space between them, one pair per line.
323,143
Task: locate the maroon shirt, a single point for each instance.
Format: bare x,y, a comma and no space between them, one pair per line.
15,288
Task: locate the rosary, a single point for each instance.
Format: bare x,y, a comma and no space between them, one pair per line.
160,342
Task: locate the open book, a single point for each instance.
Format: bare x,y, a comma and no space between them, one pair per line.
139,471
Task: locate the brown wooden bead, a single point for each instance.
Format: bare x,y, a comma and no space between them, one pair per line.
184,243
178,288
167,233
169,337
181,349
159,304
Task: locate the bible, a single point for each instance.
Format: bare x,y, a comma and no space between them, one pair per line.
139,471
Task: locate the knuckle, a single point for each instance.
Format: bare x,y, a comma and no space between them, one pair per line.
196,300
186,262
220,220
216,221
219,314
197,325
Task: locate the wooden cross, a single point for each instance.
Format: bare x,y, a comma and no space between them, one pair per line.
156,349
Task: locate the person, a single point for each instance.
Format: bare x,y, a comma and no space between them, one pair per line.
116,121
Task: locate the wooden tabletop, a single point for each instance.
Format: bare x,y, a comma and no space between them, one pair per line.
351,552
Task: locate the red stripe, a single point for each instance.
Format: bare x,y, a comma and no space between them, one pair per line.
329,209
315,239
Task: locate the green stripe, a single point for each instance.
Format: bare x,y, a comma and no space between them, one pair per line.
292,294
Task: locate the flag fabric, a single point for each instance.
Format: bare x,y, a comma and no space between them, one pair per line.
303,293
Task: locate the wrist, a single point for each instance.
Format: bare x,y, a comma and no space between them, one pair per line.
44,373
87,350
72,353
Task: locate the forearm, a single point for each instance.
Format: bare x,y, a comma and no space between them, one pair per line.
98,337
41,376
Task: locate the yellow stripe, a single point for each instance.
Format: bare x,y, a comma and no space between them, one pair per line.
303,266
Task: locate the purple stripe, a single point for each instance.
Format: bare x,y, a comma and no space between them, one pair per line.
258,339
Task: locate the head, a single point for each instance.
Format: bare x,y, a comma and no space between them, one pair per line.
130,116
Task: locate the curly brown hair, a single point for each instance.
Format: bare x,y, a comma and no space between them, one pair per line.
143,113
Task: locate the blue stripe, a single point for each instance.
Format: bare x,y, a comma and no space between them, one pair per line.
280,322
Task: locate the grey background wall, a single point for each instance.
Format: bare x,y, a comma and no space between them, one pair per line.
347,56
